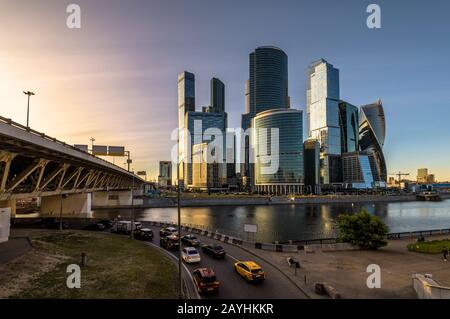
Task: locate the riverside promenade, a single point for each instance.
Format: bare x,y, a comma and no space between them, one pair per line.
204,200
346,270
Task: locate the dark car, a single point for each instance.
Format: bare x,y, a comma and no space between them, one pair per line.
95,227
205,280
144,234
167,231
107,223
52,223
170,242
214,250
190,240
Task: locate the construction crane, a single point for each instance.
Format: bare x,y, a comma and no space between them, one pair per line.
400,174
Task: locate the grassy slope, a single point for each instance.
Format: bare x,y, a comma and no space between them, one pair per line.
430,247
116,268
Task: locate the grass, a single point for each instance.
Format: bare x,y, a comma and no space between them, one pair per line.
430,247
116,268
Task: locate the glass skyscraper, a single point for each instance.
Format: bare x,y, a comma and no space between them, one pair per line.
286,151
217,95
186,103
266,89
349,122
372,132
323,118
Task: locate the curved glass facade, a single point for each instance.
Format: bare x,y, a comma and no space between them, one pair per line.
372,132
289,152
268,83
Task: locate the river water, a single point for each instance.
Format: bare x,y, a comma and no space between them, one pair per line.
296,222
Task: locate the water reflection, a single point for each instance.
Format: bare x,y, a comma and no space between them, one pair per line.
297,221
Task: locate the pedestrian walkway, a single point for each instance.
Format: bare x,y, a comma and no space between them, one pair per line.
347,272
13,248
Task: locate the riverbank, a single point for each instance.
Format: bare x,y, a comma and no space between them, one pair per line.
117,267
247,200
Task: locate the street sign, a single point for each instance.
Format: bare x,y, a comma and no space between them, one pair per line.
142,173
116,151
100,150
250,228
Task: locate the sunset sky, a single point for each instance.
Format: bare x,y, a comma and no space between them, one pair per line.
115,79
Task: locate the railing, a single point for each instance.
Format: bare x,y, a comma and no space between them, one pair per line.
418,233
51,139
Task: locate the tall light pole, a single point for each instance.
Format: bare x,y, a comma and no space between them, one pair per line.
29,93
180,282
132,209
129,160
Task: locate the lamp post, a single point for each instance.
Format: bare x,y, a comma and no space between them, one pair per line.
180,282
129,160
132,210
29,93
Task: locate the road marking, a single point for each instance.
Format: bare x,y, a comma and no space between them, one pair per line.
184,266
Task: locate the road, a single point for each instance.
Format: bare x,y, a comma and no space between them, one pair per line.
232,286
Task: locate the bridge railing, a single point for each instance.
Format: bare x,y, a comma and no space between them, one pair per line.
51,139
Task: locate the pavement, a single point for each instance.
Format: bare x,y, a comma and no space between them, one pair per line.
276,285
13,248
346,270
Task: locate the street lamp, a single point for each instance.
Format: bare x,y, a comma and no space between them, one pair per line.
180,282
29,93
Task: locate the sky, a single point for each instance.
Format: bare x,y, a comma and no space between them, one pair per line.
115,79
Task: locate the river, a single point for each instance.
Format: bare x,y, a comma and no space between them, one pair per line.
296,222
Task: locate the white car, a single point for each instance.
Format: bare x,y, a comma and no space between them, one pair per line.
190,255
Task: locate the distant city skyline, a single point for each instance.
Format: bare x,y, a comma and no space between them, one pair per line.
115,78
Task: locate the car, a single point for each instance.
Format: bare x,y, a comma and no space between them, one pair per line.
144,234
95,227
167,231
170,242
250,271
190,240
190,255
205,280
214,250
107,223
52,223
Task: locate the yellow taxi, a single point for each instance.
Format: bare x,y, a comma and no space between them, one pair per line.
250,270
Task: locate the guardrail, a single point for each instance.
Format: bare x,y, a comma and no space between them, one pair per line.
52,139
283,246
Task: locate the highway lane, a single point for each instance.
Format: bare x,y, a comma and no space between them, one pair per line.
232,286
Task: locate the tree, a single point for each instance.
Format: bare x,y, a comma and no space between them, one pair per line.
363,229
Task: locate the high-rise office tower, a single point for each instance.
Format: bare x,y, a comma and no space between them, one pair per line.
349,122
311,151
279,166
186,103
372,132
323,118
266,89
217,95
165,173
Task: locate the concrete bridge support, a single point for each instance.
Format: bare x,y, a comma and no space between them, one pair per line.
115,199
11,203
73,205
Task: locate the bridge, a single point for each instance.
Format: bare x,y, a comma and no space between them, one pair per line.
33,164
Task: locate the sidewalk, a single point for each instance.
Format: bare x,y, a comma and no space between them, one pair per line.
346,270
13,248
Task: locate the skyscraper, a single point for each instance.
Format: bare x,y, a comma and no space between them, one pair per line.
322,107
372,132
217,96
165,173
186,103
266,89
349,122
311,151
284,173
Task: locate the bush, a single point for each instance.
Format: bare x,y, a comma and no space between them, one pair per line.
363,230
